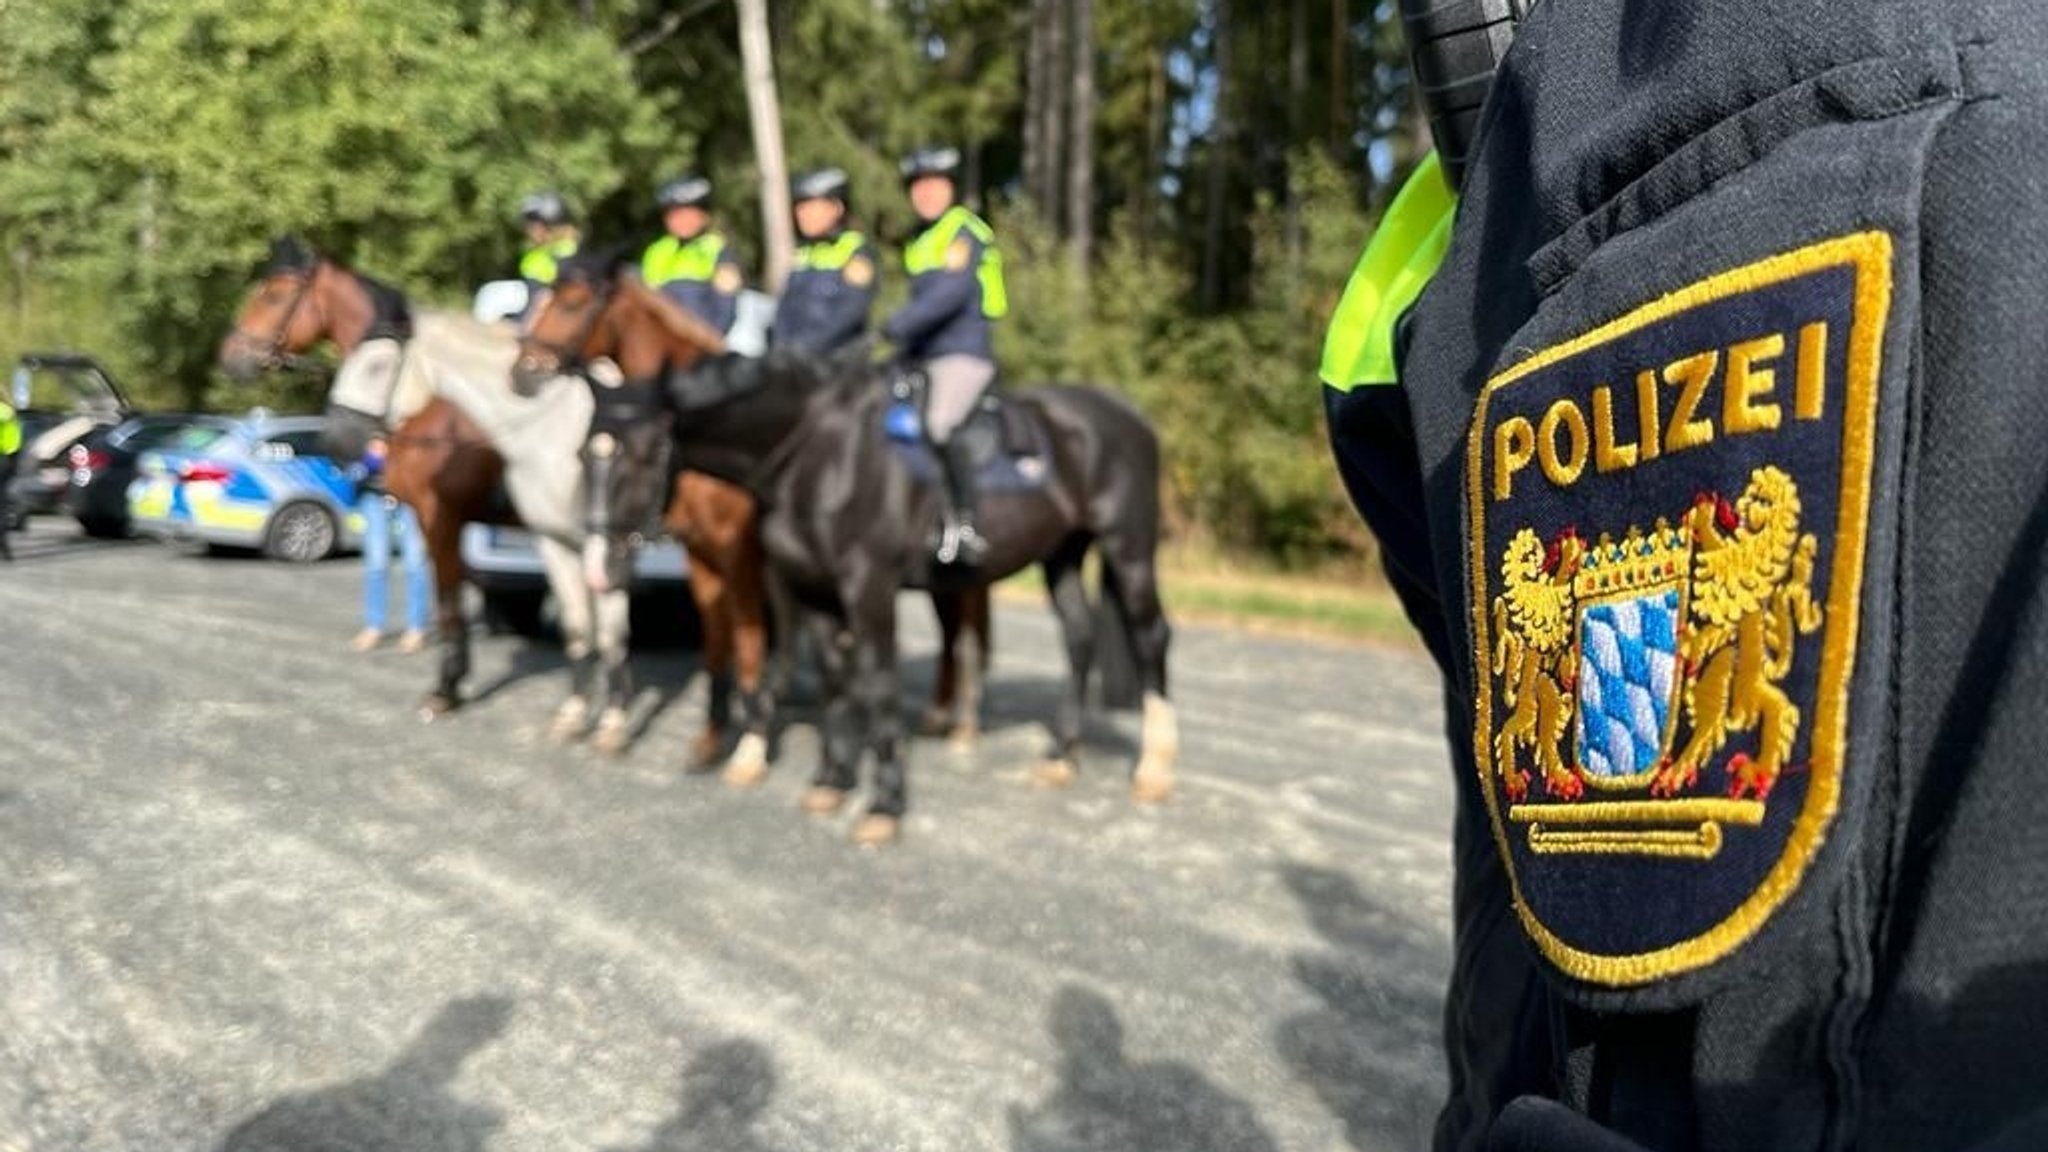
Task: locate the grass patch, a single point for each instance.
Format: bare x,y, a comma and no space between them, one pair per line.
1199,587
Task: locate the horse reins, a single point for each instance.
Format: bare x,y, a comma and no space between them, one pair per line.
568,354
274,355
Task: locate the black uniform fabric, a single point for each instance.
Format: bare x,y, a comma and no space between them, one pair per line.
1635,150
824,309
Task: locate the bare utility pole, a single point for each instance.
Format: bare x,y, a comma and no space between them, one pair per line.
758,62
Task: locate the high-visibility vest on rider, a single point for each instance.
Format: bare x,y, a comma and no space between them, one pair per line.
831,287
696,268
956,290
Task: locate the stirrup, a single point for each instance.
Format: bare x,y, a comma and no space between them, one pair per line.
962,544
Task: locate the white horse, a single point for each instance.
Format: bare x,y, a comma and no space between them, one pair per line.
538,432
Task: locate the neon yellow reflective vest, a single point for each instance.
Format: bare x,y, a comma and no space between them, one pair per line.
832,256
540,264
1403,254
10,430
669,259
927,253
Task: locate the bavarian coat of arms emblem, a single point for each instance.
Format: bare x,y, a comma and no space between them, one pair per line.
1667,516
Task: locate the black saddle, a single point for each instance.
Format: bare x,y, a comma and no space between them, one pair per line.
1006,438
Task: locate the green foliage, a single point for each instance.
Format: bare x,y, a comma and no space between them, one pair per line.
150,148
1234,396
396,135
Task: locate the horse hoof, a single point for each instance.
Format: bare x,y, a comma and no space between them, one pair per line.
1055,774
609,742
936,721
875,830
1151,787
822,801
704,752
749,763
436,706
964,740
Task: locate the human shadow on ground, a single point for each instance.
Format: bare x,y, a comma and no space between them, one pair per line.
406,1107
1372,1051
725,1090
1106,1102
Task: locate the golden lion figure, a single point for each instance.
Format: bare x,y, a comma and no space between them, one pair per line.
1532,618
1751,597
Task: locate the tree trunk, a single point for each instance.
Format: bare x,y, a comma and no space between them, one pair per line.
1053,140
1081,142
1220,144
756,57
1297,134
1155,147
1340,82
1037,86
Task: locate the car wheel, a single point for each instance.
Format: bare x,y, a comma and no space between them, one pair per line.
103,527
519,613
300,534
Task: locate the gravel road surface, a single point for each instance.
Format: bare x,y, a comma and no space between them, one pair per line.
248,901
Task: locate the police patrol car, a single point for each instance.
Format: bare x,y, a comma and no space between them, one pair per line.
262,482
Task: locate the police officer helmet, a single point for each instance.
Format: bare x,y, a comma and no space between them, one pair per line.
686,191
546,208
821,184
942,161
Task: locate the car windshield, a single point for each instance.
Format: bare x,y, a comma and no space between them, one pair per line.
62,387
194,438
156,434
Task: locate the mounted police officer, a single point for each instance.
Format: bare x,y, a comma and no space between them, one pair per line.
693,264
956,296
551,237
1708,464
831,285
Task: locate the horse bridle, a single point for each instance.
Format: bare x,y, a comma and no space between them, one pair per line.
568,354
274,355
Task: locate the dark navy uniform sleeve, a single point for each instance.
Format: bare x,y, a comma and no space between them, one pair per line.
949,292
848,308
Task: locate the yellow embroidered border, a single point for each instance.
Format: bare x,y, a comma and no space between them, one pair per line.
1702,842
1869,253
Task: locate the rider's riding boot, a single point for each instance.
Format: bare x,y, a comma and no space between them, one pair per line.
963,543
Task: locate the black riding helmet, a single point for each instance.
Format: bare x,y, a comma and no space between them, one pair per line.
1455,46
932,161
686,191
545,208
820,184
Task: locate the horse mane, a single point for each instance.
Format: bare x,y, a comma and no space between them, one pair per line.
391,306
591,264
289,253
681,323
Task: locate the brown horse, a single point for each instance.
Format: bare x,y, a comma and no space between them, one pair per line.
645,335
440,462
462,427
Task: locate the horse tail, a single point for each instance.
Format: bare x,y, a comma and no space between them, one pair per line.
1116,646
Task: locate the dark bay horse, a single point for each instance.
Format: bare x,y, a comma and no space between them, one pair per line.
715,517
844,525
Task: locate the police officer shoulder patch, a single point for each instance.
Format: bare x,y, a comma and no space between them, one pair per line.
1667,519
959,254
860,272
727,279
